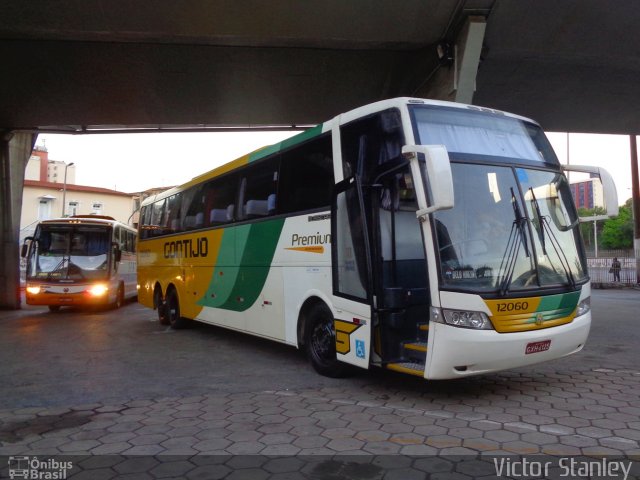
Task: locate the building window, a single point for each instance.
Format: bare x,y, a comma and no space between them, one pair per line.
96,208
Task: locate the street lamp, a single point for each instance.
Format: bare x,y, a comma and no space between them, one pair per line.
64,187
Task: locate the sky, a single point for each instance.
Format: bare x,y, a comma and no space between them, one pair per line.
134,162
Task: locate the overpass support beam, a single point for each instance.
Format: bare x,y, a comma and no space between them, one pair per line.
15,149
456,82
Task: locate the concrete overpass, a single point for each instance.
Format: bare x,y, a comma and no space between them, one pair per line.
116,65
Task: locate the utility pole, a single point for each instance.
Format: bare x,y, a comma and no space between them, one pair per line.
64,188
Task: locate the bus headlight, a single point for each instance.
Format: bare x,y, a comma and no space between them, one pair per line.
98,290
584,306
33,289
467,319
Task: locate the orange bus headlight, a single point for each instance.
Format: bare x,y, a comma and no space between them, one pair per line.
33,289
98,290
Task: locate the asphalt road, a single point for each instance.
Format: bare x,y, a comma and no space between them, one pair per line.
77,357
119,396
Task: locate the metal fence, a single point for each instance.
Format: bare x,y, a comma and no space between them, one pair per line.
601,272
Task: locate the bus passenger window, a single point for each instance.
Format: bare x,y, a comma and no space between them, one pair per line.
192,205
259,196
306,177
220,201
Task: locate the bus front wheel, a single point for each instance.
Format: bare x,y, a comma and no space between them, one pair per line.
119,301
320,342
173,311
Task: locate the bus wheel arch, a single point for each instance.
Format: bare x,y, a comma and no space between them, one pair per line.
308,305
315,329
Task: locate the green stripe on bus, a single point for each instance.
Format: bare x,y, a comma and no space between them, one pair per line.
226,272
240,290
563,301
283,145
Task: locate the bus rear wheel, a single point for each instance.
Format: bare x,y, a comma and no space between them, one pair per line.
173,311
161,306
54,308
320,343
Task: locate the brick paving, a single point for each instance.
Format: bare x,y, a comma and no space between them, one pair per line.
594,412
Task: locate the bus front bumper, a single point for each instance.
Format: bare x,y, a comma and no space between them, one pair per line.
461,352
69,295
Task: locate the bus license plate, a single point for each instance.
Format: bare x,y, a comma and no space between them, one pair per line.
535,347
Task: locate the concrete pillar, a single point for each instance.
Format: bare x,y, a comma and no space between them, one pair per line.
15,149
457,82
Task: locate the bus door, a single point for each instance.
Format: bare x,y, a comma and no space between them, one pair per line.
402,289
351,270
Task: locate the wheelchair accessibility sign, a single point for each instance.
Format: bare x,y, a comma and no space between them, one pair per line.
360,349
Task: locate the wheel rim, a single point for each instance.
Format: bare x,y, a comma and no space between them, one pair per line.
322,344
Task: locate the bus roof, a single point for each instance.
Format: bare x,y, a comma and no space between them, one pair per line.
86,220
317,130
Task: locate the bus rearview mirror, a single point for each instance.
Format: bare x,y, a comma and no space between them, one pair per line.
436,187
603,192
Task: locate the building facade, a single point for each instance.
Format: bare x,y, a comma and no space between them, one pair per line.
588,194
47,195
44,200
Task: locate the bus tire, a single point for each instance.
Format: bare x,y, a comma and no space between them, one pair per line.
161,306
176,321
320,342
54,308
119,301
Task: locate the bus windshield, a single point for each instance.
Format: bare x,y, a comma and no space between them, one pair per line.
496,240
512,228
70,252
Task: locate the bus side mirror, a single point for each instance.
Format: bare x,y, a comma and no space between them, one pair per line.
25,247
606,190
434,172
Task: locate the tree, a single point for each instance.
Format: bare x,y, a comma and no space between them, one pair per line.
586,228
617,232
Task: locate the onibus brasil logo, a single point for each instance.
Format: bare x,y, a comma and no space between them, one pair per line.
33,468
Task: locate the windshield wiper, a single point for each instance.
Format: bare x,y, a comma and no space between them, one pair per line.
59,266
544,225
517,238
536,209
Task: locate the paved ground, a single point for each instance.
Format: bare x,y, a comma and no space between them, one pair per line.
191,403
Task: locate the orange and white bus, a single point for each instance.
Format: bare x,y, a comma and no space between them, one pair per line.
80,260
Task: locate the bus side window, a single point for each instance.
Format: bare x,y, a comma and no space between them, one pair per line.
259,197
220,203
145,221
173,223
157,217
306,176
192,213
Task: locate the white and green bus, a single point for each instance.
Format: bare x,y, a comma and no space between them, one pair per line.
430,238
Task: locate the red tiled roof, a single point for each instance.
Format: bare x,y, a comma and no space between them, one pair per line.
74,188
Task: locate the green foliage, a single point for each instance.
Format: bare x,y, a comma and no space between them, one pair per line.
586,228
617,232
